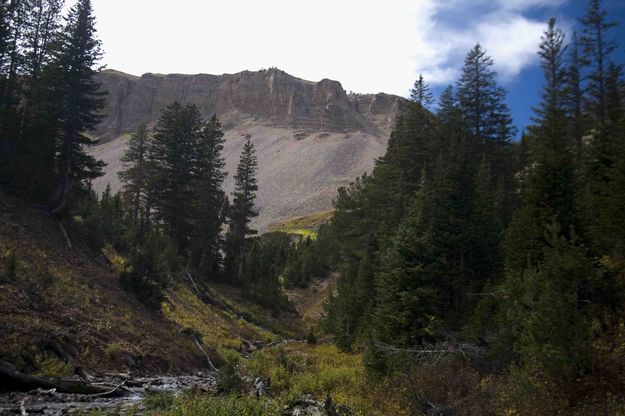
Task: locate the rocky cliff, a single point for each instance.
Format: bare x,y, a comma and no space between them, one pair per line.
310,137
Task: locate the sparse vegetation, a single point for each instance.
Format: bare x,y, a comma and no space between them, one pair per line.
51,366
193,404
158,400
228,379
113,350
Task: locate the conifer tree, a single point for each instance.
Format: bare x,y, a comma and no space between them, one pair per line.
597,47
171,164
78,101
241,212
134,176
575,94
41,26
482,100
421,94
209,199
546,265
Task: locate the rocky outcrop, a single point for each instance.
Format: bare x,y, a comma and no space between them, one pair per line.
310,137
271,97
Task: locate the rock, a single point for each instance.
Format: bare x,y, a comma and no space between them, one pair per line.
260,387
306,406
270,95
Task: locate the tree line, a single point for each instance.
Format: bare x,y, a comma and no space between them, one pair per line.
516,248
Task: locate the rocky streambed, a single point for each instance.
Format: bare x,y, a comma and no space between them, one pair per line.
125,392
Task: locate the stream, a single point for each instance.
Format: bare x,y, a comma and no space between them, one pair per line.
50,402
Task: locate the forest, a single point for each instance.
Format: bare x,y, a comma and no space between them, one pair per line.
465,248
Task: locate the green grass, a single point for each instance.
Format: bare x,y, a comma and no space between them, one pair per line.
192,404
50,366
304,225
220,330
297,369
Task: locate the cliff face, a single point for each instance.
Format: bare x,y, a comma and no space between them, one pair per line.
311,137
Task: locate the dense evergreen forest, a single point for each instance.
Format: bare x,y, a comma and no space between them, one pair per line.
462,242
465,242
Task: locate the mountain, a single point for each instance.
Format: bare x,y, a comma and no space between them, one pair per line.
310,137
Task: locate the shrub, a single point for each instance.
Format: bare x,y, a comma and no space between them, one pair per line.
149,272
51,366
38,286
311,339
228,380
113,350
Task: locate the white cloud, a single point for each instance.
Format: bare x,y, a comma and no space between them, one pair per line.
368,45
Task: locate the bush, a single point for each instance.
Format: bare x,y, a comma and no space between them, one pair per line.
51,366
228,380
149,270
38,286
113,350
311,339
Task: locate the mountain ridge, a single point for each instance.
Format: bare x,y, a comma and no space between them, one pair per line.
311,137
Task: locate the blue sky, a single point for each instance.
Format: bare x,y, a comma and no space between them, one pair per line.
369,46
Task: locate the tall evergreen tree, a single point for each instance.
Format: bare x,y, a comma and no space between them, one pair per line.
42,24
547,268
421,93
597,47
241,212
78,101
575,94
209,199
482,101
134,175
171,163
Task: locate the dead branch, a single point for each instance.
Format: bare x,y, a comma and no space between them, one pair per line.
434,353
210,363
13,380
69,243
493,294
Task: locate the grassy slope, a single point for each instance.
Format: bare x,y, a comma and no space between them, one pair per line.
304,225
72,298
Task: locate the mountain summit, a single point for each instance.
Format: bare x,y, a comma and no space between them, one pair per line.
310,137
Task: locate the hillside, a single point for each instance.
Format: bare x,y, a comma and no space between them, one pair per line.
63,308
310,137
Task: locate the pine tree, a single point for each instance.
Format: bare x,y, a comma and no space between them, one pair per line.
42,24
134,176
78,100
597,47
241,212
209,199
482,101
487,119
33,158
171,163
411,294
12,25
420,93
575,94
546,264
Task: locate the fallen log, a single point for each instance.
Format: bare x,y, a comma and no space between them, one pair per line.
13,380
